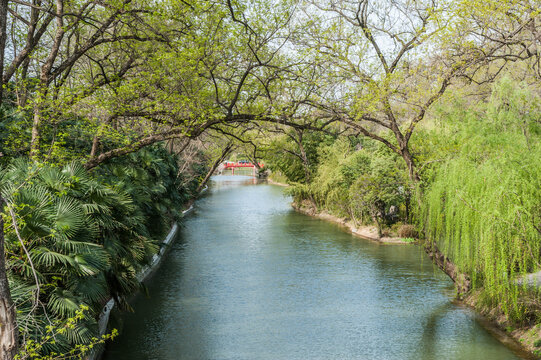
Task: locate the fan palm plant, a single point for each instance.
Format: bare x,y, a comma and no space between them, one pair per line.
79,238
85,243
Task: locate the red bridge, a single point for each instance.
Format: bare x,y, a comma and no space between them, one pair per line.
240,164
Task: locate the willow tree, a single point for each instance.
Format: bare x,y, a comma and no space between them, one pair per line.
483,204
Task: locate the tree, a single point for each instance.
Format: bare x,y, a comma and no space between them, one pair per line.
9,336
225,68
387,63
109,72
383,65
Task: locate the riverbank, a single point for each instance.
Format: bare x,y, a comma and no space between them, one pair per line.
521,339
365,232
142,275
272,182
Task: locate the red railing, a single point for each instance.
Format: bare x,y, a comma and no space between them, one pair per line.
231,164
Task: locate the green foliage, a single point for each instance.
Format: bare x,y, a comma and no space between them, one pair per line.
483,205
359,181
376,190
15,129
150,177
66,219
278,177
87,234
284,155
161,69
34,349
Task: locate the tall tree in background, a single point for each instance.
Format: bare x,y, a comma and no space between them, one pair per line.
385,64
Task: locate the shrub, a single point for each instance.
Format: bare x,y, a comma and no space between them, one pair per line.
407,231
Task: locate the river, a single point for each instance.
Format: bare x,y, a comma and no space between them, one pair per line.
249,278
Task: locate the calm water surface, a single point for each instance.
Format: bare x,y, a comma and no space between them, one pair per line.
249,278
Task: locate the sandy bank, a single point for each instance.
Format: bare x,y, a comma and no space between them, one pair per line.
365,232
272,182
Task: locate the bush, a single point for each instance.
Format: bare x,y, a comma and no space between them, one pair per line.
88,235
407,231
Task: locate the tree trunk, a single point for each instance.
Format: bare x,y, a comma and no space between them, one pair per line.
9,334
408,205
304,158
374,214
408,158
214,166
95,144
46,78
378,226
22,86
3,36
305,164
36,123
23,58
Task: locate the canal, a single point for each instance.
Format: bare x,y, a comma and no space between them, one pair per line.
249,278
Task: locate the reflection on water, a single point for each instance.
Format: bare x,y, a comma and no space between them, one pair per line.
238,171
249,278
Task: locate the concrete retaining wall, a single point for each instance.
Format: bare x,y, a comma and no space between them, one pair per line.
103,319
